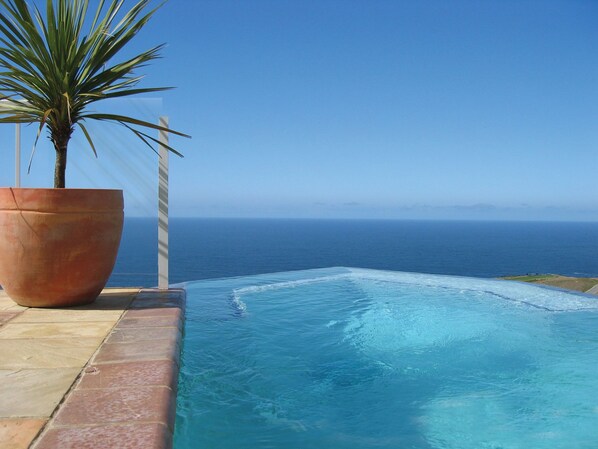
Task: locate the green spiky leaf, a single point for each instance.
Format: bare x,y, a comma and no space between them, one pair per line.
52,68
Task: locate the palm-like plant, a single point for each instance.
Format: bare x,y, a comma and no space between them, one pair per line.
51,70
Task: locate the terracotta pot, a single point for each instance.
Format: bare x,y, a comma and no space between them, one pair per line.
58,246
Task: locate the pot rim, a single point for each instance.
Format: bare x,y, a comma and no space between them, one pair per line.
55,189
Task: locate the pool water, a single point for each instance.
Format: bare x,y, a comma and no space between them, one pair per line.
353,358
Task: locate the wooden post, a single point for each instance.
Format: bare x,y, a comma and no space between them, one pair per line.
163,208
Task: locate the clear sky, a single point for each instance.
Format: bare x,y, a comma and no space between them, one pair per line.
365,109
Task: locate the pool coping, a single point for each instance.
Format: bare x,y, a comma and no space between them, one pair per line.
123,395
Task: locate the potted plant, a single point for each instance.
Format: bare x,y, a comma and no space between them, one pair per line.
58,246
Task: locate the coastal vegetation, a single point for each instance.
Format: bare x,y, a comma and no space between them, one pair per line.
555,280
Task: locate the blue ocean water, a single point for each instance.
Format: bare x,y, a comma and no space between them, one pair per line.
210,248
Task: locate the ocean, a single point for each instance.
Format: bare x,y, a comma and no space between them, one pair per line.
212,248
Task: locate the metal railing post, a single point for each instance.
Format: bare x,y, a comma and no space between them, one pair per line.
163,207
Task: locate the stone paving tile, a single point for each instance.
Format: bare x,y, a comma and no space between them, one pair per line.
5,317
155,299
173,293
156,303
128,436
130,374
119,299
116,291
126,399
130,352
68,316
47,352
55,330
103,406
160,312
8,304
150,321
134,335
34,392
19,433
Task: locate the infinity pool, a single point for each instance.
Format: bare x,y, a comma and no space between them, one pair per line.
353,358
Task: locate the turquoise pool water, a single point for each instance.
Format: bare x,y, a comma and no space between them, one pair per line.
352,358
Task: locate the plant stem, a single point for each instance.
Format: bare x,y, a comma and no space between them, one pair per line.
60,138
60,166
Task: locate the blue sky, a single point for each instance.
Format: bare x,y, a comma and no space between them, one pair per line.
363,109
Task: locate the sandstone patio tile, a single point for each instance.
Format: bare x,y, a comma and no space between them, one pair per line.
33,392
153,302
159,312
8,304
130,374
47,352
134,381
5,301
110,300
133,335
19,433
5,317
68,316
150,321
55,330
161,294
114,405
129,436
131,352
116,291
